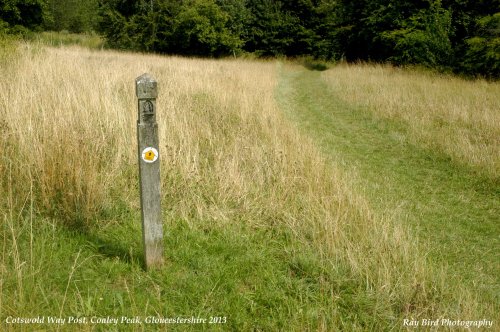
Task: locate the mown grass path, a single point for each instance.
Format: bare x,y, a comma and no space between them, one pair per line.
453,210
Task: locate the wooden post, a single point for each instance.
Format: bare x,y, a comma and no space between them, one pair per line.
149,171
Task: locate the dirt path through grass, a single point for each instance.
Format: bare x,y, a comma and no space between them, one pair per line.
453,210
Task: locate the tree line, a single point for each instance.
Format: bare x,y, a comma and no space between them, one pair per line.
459,35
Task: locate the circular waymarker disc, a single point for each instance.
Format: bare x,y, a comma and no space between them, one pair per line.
149,155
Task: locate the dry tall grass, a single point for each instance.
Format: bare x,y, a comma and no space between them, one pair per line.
464,125
228,156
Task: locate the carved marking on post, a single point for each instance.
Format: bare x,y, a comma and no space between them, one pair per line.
149,171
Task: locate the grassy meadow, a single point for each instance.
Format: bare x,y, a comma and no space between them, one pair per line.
450,204
267,226
64,38
458,118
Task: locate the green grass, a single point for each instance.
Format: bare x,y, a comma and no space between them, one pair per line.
453,209
261,279
259,229
63,38
7,48
258,279
208,272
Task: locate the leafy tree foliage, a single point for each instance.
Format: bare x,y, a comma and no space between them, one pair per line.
203,28
423,38
399,30
238,15
73,15
462,35
286,28
196,27
271,29
16,15
483,52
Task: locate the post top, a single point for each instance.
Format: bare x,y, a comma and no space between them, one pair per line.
146,87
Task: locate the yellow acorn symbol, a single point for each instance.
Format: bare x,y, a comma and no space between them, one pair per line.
150,155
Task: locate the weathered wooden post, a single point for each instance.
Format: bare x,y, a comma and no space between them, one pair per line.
149,171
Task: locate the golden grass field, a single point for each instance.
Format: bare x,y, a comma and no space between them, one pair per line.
457,117
228,156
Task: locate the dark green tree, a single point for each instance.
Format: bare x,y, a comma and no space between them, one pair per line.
73,15
271,30
423,38
286,28
483,52
202,28
239,17
434,33
118,23
308,36
191,27
466,15
20,14
363,26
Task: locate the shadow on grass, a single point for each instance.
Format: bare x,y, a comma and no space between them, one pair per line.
315,65
115,249
120,241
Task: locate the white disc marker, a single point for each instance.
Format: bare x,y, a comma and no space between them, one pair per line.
149,155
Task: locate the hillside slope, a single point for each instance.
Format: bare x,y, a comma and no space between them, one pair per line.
451,205
262,232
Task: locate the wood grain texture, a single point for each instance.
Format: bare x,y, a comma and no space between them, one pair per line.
149,172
